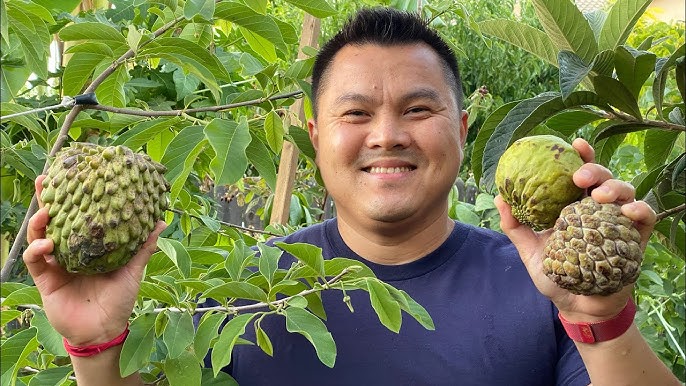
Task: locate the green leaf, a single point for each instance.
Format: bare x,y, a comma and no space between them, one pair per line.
111,91
229,141
141,133
316,8
4,23
7,316
620,20
33,34
269,261
50,339
79,70
610,128
221,379
180,156
604,63
273,129
484,135
523,36
645,181
178,334
572,71
567,27
662,67
221,352
634,67
203,8
596,19
617,94
26,295
207,331
138,345
93,32
177,253
386,308
263,341
245,17
410,306
155,291
657,146
238,290
568,122
260,157
334,266
192,58
51,376
309,254
183,370
14,352
260,45
311,327
237,259
301,139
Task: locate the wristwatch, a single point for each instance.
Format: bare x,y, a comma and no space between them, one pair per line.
603,330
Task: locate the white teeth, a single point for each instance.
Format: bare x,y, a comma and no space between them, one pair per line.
379,170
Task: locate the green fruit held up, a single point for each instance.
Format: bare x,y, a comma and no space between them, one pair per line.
534,176
103,202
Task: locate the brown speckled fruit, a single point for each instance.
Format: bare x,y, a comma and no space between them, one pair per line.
594,249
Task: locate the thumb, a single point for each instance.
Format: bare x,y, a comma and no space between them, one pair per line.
524,238
142,257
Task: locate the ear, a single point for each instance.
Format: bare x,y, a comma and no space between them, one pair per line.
314,134
464,126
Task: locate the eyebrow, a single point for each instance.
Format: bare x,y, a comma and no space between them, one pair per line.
421,93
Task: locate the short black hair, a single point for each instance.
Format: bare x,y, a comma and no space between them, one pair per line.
385,27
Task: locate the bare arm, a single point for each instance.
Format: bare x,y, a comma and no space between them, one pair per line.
87,309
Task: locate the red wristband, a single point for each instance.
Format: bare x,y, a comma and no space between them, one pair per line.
87,351
601,331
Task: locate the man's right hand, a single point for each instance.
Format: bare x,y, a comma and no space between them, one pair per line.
85,309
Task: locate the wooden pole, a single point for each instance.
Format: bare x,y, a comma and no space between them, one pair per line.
289,153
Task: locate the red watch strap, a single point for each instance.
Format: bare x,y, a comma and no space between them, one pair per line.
601,331
87,351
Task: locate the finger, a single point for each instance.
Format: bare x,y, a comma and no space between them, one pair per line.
35,257
39,188
591,175
37,224
643,216
142,257
614,191
523,237
585,150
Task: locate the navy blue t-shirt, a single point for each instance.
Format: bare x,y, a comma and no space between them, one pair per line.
493,327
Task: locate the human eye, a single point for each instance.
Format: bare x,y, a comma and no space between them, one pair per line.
419,111
355,115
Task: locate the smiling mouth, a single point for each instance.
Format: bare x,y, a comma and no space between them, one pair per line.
382,170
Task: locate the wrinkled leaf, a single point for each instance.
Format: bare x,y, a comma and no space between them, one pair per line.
311,327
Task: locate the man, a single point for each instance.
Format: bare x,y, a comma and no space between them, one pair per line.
389,131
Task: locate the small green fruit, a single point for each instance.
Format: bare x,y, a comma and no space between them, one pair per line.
534,176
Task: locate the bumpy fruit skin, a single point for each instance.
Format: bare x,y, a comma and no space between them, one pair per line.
594,249
103,202
534,176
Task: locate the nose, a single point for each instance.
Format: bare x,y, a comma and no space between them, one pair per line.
388,132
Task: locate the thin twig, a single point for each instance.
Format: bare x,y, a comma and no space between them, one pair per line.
662,215
177,211
649,122
167,113
248,307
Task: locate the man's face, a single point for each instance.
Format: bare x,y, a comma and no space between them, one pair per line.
388,133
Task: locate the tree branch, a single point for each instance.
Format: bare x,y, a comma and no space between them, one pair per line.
233,310
226,223
649,122
162,113
662,215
